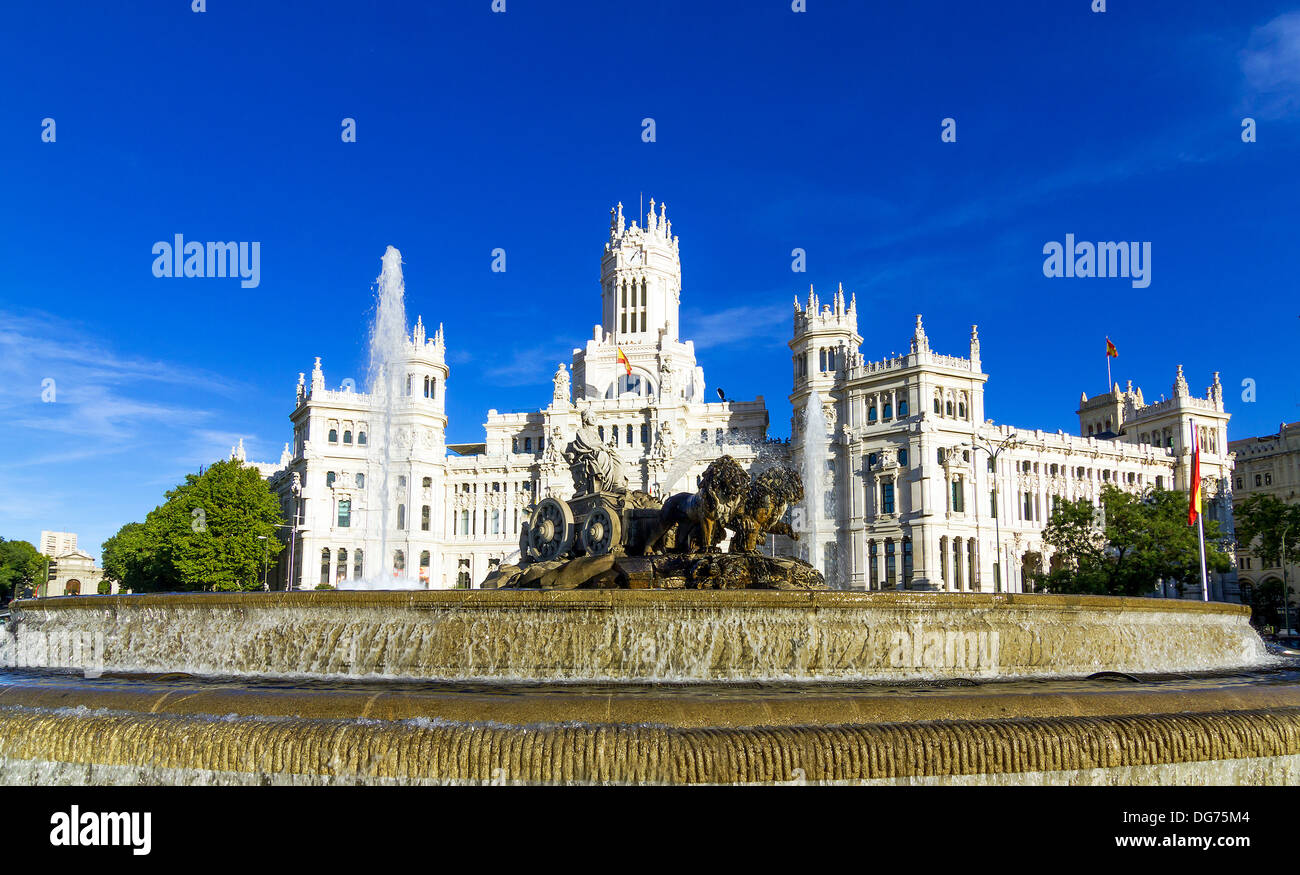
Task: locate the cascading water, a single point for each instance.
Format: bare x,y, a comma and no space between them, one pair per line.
389,342
816,472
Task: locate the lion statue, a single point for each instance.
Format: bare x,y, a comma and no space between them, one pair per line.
766,503
698,522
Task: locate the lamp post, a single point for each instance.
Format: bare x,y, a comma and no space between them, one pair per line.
265,549
1286,591
1007,443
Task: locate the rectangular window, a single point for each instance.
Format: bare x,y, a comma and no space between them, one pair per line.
872,564
345,513
907,561
496,522
887,499
959,495
424,518
889,564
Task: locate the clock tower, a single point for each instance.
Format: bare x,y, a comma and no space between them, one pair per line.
640,279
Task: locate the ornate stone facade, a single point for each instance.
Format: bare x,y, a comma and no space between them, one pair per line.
911,503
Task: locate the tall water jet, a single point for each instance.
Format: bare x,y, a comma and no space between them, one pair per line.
815,470
389,342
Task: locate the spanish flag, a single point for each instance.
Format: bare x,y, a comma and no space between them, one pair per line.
622,360
1194,505
1111,351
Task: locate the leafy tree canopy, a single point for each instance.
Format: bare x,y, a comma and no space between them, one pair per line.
205,535
22,569
1128,545
1263,521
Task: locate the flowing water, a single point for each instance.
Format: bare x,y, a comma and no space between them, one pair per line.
819,495
385,382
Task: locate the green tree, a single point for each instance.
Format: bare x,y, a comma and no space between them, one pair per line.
205,535
1128,545
1262,522
131,558
22,569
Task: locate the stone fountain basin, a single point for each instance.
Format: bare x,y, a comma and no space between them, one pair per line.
632,635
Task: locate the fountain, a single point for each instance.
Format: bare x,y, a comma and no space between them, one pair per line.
624,647
388,346
816,469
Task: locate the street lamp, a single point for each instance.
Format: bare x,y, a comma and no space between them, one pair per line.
265,549
1286,591
1007,443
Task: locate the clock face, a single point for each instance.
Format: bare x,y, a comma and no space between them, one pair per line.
635,257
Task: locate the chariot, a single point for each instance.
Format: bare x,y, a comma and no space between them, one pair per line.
589,525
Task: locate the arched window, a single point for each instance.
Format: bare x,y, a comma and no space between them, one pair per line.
889,411
427,483
871,413
948,409
329,478
961,409
341,569
347,436
424,559
325,565
401,516
361,481
528,445
902,407
361,438
633,384
409,377
937,408
334,435
358,566
821,360
399,561
424,518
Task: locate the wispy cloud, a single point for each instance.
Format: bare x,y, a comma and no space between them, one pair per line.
70,397
1270,64
529,365
739,324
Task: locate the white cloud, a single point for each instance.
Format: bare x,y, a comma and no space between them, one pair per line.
740,324
1271,65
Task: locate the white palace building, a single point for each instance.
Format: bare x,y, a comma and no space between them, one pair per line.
916,463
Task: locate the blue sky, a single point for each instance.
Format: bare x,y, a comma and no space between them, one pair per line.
475,130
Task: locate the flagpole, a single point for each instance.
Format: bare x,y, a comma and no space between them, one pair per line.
1108,382
1205,581
1199,506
